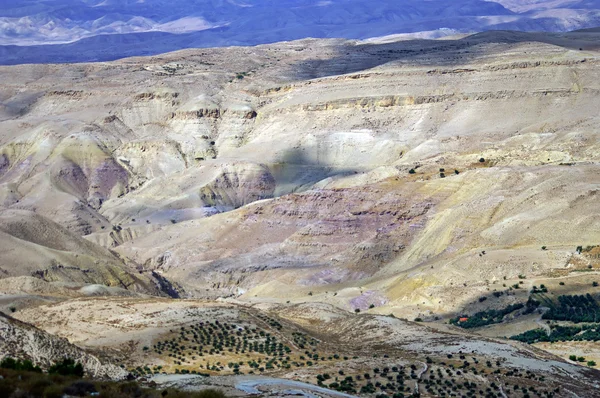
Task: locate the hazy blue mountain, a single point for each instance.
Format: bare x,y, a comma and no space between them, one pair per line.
33,31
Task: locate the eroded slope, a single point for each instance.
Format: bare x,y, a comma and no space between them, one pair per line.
152,157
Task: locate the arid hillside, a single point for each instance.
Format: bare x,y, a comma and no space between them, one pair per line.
357,172
235,347
338,189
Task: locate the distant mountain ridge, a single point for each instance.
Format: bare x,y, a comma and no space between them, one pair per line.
57,31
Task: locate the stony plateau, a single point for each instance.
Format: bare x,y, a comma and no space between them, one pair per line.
331,189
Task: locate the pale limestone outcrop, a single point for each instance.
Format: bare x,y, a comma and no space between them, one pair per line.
22,341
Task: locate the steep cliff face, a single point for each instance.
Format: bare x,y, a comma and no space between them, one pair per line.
23,341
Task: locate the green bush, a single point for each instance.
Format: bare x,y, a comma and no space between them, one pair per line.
574,309
590,332
67,367
15,364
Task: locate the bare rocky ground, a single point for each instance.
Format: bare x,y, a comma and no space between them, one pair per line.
303,181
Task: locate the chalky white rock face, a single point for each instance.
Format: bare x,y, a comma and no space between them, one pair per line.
23,341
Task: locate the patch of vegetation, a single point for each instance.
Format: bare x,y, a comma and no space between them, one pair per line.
439,379
67,367
540,290
581,249
203,344
15,364
303,341
490,317
561,333
22,383
274,323
574,309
